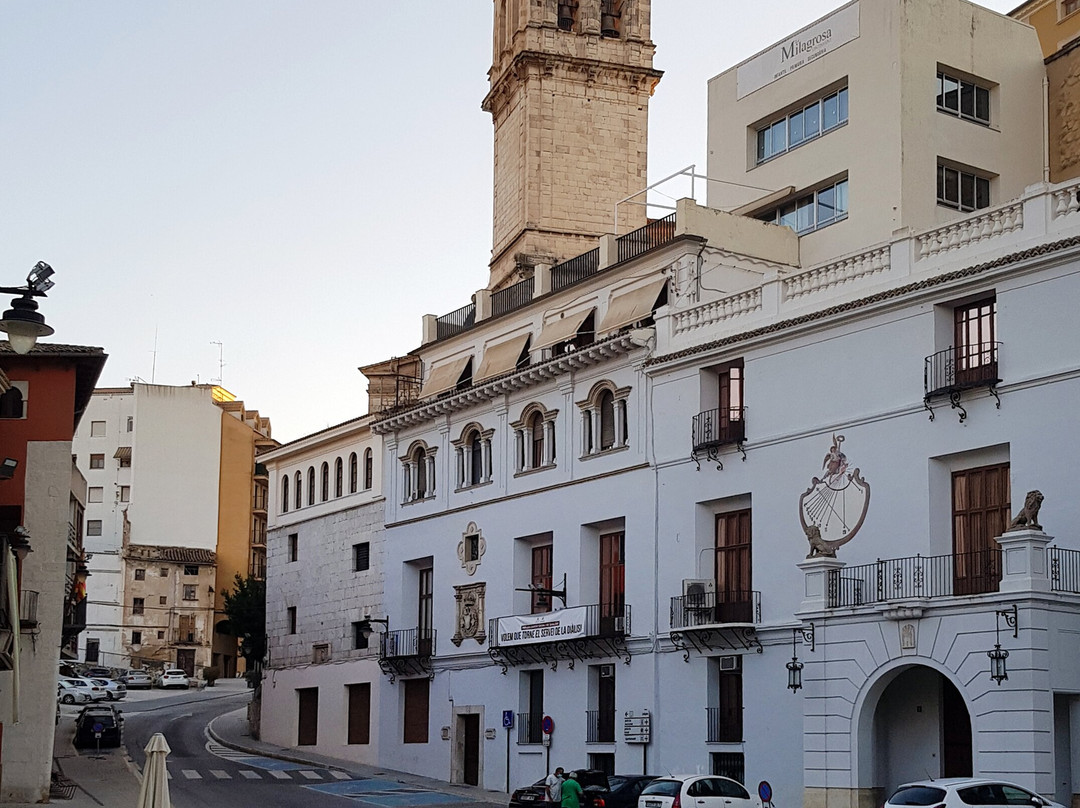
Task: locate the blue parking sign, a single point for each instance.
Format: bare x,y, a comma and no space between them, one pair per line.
508,719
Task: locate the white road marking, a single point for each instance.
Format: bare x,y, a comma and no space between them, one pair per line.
249,774
341,775
280,775
191,774
310,775
220,775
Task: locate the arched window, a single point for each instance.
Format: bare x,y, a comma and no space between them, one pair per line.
476,459
299,494
606,405
368,469
324,479
11,403
535,436
420,461
352,473
311,485
285,494
339,477
418,470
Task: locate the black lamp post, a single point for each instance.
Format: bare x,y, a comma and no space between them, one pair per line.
22,322
795,668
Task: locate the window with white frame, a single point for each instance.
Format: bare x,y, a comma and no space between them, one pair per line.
963,98
534,439
324,477
311,485
339,477
353,473
813,210
604,426
95,493
472,454
808,122
369,469
97,429
285,494
299,493
418,470
962,189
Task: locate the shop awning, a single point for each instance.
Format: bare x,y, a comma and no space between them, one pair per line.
500,358
124,453
444,377
629,307
557,331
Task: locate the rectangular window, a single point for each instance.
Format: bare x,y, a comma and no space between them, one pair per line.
1069,6
962,190
601,724
729,764
125,462
291,617
93,527
161,635
471,547
359,713
130,423
813,120
137,605
189,592
417,692
975,344
963,98
734,598
140,575
360,630
95,493
541,578
191,569
125,493
92,649
424,617
811,211
361,556
136,638
162,600
294,546
980,506
612,584
97,461
164,572
97,429
529,728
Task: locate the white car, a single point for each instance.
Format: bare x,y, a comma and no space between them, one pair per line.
114,691
173,677
695,791
965,792
72,691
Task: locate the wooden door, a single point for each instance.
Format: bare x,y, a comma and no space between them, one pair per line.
416,710
307,733
185,660
980,504
734,599
471,760
612,584
360,713
424,617
541,578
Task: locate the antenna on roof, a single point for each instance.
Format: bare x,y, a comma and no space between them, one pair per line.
221,362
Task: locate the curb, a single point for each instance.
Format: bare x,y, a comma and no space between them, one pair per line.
254,752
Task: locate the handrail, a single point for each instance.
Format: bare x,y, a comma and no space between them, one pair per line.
728,606
455,322
917,576
512,297
576,269
640,241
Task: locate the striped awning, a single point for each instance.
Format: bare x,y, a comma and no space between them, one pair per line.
630,307
444,376
124,453
500,358
557,331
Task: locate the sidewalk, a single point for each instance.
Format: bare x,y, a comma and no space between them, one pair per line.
231,729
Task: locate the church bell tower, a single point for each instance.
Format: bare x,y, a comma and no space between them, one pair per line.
570,86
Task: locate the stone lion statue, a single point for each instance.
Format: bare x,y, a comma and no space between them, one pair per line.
1029,514
818,545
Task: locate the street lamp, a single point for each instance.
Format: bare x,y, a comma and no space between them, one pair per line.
22,322
795,668
999,671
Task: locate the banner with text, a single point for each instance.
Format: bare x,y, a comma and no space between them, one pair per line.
565,624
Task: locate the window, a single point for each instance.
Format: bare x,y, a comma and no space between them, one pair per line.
963,98
189,592
97,461
729,764
419,473
140,575
285,494
191,569
162,600
567,17
601,719
299,491
97,429
611,18
734,599
95,493
535,436
361,630
130,423
425,614
607,420
962,190
161,635
980,509
1069,6
164,572
311,485
807,123
541,578
417,692
92,649
352,473
612,584
125,461
125,493
339,477
324,482
136,638
11,403
294,546
812,211
137,605
290,616
976,341
361,556
726,717
93,527
471,547
359,713
604,419
529,726
369,463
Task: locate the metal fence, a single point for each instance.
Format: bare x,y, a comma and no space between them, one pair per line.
600,726
407,642
710,429
960,368
916,576
645,238
455,322
574,270
715,608
512,297
529,729
719,730
1064,570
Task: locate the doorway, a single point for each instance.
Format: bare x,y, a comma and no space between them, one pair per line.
471,754
185,660
466,756
307,733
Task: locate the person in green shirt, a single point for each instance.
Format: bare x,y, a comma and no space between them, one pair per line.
571,792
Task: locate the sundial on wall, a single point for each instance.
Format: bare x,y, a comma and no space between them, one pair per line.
835,503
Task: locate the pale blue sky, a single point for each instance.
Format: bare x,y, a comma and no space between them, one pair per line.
299,181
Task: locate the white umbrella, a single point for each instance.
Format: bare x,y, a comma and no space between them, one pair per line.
154,792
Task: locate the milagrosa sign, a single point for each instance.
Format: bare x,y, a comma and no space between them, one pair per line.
798,50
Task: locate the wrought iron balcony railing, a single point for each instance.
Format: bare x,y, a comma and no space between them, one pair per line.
728,607
645,238
961,368
455,322
713,428
407,642
600,726
918,576
28,609
1064,570
723,728
512,297
529,730
576,269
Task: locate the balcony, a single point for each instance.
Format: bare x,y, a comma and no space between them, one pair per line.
406,652
1064,570
956,369
596,631
28,610
916,577
512,297
600,726
721,728
185,637
455,322
714,429
529,730
640,241
711,622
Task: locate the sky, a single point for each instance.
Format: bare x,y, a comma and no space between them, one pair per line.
270,194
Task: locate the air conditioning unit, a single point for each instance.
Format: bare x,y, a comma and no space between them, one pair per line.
730,663
607,671
696,590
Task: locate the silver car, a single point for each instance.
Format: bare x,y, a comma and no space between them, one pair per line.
114,691
965,792
137,678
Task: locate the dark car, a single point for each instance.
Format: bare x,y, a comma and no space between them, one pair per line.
97,673
99,718
624,789
593,782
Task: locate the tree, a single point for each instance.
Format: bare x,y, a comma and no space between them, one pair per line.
245,607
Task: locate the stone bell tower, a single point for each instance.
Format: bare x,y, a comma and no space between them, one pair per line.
570,87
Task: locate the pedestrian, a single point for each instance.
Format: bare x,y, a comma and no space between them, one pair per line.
571,793
554,783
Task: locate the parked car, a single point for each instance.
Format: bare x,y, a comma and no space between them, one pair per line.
114,691
135,678
70,692
97,673
173,677
593,782
624,789
95,692
103,718
965,792
695,791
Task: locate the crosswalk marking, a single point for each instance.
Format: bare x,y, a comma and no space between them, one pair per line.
280,775
191,774
249,774
311,775
220,775
341,775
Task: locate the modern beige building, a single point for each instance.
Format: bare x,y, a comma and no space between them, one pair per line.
1055,21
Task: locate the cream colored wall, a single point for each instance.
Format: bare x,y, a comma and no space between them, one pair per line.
234,514
1054,30
890,145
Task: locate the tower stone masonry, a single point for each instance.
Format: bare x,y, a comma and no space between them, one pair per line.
570,88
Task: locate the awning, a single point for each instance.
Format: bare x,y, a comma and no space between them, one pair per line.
444,377
500,358
629,307
558,331
124,453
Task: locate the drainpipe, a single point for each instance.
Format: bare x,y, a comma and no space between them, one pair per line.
1046,128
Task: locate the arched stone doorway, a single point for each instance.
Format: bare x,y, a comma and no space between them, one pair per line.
914,725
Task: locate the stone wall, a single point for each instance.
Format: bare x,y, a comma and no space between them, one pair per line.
1063,72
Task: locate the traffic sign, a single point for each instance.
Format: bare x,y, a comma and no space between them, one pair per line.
637,727
547,725
98,727
508,719
764,790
